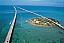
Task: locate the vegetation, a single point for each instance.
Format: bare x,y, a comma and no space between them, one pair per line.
43,22
48,24
28,20
33,18
37,23
51,19
58,21
53,24
56,24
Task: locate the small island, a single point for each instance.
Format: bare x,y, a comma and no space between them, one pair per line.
43,22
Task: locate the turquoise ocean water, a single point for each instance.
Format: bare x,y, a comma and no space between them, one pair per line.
28,32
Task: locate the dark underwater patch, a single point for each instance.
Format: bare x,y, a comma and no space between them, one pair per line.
16,40
25,34
49,42
18,25
13,38
62,40
53,42
60,32
39,39
57,40
24,37
2,24
17,34
28,31
27,41
0,34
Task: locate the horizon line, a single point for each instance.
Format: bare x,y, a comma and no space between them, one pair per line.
35,5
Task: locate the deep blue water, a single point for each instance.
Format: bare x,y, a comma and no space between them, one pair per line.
30,33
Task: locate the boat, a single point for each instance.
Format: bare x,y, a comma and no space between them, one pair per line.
10,22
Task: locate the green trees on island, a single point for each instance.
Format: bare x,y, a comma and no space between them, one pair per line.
34,17
48,24
58,21
42,21
51,19
37,23
28,20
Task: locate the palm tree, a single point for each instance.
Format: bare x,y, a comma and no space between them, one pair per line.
58,21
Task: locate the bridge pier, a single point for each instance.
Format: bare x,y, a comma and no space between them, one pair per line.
42,17
10,33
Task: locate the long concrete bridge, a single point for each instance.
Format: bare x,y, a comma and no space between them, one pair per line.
9,35
59,25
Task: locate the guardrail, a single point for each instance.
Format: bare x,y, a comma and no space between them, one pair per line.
10,33
59,25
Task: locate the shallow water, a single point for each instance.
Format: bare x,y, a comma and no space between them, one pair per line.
5,17
28,32
37,34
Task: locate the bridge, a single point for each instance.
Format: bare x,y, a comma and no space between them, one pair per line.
10,33
59,25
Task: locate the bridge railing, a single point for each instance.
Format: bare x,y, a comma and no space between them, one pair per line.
59,25
9,35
